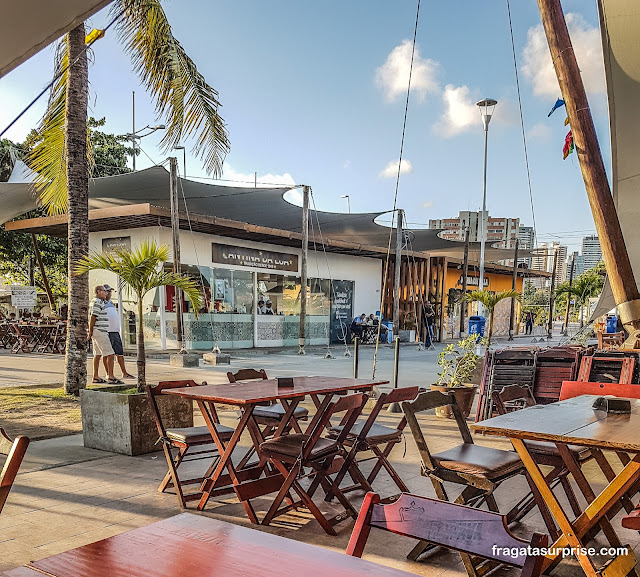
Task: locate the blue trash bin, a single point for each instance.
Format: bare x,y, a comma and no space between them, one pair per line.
612,324
476,325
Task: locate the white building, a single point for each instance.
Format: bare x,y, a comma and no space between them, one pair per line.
591,251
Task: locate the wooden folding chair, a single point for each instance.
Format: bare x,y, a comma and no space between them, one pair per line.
21,340
480,470
380,439
14,452
291,454
183,439
470,531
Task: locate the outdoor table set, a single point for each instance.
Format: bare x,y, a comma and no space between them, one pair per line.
278,467
29,338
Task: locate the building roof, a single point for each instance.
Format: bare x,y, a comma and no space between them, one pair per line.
210,204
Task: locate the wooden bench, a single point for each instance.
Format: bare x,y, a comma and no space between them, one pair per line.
471,531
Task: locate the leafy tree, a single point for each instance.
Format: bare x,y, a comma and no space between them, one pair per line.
141,270
109,152
182,96
584,287
489,300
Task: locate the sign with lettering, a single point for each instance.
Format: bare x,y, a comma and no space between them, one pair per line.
341,310
474,281
254,258
117,243
24,296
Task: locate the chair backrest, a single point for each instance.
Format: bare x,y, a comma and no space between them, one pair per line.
466,529
385,399
572,389
14,452
153,391
512,394
247,375
425,402
350,405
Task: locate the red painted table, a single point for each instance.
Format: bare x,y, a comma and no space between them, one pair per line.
190,545
249,482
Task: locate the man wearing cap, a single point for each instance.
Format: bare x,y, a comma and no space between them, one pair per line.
99,334
114,332
268,310
261,308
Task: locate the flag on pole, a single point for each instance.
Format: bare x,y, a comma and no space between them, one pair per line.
567,149
557,105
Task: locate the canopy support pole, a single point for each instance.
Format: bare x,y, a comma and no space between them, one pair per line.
303,270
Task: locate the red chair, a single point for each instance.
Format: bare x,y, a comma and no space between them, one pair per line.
14,452
465,529
183,439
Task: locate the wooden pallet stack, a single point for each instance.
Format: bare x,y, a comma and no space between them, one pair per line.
553,366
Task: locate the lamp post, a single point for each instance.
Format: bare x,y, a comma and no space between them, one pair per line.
348,202
486,112
184,159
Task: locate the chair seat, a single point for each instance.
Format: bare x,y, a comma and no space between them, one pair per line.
276,412
198,434
549,449
292,446
477,460
377,433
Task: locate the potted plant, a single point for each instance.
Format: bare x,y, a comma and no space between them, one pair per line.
123,423
459,362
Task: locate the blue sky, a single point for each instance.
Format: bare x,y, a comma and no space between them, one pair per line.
314,93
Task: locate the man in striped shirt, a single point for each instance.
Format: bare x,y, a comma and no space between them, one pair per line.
99,334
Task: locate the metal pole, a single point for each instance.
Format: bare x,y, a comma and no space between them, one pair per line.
133,127
175,230
568,311
303,267
396,280
395,407
483,234
465,273
513,287
184,161
356,356
553,282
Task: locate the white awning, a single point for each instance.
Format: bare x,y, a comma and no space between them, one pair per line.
28,26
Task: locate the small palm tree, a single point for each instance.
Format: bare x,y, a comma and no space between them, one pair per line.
141,270
489,300
583,288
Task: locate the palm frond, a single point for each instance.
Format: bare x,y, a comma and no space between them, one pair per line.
182,96
489,300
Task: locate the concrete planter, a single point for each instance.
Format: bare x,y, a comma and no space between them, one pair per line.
407,336
124,423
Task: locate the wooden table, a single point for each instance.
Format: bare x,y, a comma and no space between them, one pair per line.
573,421
190,545
255,480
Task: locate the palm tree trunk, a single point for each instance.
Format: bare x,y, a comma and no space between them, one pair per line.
78,194
140,361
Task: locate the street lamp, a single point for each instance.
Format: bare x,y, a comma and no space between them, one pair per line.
348,202
184,159
135,136
486,112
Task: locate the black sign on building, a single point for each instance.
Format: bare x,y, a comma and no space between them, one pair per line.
251,257
341,310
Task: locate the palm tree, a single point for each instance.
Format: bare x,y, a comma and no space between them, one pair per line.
583,288
183,99
489,300
141,270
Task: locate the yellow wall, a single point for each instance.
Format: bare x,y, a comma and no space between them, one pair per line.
497,282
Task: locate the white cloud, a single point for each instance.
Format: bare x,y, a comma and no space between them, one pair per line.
346,164
538,67
427,204
461,112
391,170
393,75
540,132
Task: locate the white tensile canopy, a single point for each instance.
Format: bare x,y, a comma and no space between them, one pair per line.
28,26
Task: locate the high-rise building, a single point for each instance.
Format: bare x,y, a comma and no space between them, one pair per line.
527,238
501,232
591,251
544,262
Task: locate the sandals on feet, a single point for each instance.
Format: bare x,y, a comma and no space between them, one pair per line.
115,382
99,380
128,376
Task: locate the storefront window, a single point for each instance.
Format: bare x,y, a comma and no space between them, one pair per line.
284,294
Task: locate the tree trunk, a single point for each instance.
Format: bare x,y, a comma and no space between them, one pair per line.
490,328
78,211
140,361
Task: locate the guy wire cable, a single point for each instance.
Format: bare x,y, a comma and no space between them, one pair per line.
395,198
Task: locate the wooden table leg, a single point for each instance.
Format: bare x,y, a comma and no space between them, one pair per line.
568,531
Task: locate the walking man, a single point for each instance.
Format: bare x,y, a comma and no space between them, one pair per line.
99,334
114,333
529,323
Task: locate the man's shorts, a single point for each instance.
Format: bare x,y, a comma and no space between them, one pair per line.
116,344
102,344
